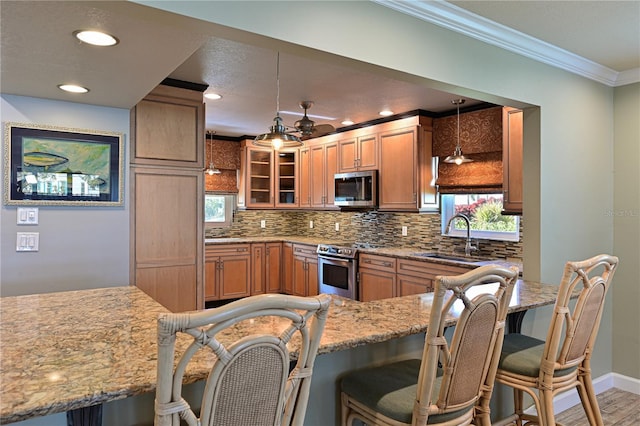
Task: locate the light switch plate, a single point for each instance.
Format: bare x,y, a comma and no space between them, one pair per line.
27,241
27,216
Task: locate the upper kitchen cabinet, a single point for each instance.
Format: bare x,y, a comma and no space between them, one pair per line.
407,168
323,163
358,151
512,161
168,128
270,178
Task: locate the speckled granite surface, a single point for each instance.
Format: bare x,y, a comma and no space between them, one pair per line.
399,252
62,351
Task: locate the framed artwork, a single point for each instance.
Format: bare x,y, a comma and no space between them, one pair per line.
46,165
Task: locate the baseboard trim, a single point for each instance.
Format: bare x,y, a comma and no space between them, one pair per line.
568,399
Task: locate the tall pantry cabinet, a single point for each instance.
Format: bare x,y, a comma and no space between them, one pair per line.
167,195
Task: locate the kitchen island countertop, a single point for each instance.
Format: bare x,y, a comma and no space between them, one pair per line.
68,350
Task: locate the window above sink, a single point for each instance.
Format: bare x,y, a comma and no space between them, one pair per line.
483,211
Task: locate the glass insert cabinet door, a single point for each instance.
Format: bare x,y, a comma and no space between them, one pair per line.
286,185
260,177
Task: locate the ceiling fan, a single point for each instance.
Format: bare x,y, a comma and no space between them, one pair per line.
307,127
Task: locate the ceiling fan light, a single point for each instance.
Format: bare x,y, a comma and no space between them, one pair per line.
277,137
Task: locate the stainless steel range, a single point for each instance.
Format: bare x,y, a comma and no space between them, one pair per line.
338,269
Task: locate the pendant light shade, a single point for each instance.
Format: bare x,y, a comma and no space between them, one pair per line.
277,137
457,157
211,170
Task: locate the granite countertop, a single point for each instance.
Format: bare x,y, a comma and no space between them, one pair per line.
68,350
398,252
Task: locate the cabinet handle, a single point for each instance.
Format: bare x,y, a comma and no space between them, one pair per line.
387,264
366,261
241,249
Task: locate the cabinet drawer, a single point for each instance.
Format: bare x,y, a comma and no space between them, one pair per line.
428,270
380,263
305,250
212,252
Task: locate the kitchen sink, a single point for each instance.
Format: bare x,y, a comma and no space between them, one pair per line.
433,255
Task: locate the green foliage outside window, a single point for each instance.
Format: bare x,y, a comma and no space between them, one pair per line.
484,215
214,208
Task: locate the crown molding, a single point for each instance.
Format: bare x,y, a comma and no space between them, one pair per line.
457,19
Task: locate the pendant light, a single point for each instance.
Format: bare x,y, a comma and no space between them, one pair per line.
211,170
277,137
457,157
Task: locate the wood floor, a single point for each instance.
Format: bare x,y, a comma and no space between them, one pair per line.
618,408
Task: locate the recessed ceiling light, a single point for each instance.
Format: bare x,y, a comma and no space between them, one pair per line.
96,38
347,122
212,96
72,88
386,113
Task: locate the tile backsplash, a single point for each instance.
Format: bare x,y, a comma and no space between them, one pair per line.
371,226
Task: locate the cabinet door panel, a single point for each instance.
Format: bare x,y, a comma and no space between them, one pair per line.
376,285
306,179
368,152
299,276
160,284
257,268
512,160
398,174
287,268
411,285
273,267
331,168
317,176
211,280
234,276
348,155
312,277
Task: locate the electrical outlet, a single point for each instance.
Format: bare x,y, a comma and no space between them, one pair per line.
311,224
263,223
337,226
404,231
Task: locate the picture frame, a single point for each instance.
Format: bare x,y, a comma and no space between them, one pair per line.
59,166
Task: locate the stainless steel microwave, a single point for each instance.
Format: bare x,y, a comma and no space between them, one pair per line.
356,189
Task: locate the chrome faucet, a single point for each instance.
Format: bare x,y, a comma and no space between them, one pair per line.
468,248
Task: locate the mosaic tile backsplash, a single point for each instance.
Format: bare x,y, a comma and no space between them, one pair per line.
380,229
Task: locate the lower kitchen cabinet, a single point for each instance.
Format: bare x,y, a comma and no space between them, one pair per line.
258,264
305,270
377,277
287,268
227,272
273,267
382,277
414,277
265,267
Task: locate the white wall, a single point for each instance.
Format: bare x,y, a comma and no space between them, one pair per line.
80,247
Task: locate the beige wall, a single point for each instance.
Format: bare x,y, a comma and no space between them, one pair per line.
626,225
566,198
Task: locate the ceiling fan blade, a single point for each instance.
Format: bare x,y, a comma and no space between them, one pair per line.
322,129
